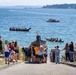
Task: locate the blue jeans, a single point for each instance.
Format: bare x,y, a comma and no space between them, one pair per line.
57,59
71,53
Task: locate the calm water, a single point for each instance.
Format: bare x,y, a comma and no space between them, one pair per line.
36,19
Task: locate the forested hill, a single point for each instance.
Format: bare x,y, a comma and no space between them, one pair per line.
61,6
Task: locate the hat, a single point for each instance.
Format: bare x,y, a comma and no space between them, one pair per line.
6,41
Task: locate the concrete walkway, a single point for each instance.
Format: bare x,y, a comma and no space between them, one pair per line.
39,69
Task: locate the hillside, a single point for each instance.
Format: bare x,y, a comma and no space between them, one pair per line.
61,6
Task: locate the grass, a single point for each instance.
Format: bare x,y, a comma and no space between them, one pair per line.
2,62
21,55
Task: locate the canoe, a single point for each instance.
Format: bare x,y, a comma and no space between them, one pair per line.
53,20
19,29
49,39
35,43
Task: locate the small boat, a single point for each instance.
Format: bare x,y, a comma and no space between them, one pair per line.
55,40
19,29
53,20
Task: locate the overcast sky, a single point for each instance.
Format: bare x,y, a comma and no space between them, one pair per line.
34,2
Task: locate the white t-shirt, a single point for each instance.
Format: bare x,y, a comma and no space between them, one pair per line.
6,48
40,52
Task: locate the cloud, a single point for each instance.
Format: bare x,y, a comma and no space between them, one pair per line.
8,0
5,0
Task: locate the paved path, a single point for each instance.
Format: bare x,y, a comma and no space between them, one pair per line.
39,69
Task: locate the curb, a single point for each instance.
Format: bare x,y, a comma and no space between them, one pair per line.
69,63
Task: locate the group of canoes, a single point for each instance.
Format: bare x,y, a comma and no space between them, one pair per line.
25,29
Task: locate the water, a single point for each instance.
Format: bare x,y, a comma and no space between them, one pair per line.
36,19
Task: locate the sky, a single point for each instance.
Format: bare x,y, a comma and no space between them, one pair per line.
34,2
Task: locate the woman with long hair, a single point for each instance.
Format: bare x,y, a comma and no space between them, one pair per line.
16,49
67,57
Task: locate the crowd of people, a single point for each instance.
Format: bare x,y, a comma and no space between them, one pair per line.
55,55
11,50
37,52
70,53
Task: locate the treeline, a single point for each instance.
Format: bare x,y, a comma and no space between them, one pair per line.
61,6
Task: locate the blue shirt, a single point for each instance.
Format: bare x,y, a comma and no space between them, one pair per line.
57,52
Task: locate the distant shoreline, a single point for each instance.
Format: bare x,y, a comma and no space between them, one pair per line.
61,6
54,6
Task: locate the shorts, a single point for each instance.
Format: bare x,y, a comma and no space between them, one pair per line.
36,55
7,54
29,55
45,55
16,51
40,56
0,48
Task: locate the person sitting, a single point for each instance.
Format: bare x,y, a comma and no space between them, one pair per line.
53,39
56,40
60,40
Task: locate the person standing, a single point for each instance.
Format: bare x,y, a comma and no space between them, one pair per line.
67,52
6,52
33,53
36,48
50,56
12,52
40,54
38,38
29,54
16,49
75,52
45,52
57,55
0,45
71,52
